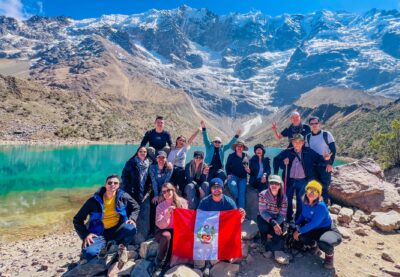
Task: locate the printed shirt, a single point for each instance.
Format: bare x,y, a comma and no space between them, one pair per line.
268,207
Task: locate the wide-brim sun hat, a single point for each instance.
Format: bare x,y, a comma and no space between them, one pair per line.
239,142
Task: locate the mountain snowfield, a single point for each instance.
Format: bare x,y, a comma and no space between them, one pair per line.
235,65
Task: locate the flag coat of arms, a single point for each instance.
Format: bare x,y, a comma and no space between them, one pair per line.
207,235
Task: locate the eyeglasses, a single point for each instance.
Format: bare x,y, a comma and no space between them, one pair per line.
112,183
274,184
216,187
166,191
313,191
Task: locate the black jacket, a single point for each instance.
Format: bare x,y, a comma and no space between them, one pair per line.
190,175
125,206
310,159
131,180
255,168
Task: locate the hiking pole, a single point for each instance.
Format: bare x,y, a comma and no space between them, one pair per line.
285,182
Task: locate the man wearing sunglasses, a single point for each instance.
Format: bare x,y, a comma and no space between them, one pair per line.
112,216
322,141
215,153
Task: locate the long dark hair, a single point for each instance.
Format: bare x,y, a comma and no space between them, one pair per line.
279,196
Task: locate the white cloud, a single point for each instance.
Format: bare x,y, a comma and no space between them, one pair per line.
40,7
12,8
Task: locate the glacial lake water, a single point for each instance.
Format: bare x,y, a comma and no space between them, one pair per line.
42,187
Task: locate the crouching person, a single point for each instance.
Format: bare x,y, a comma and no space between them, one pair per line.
112,216
314,226
272,204
165,223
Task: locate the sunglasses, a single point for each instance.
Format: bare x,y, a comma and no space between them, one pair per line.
274,184
217,142
112,183
198,158
166,191
313,191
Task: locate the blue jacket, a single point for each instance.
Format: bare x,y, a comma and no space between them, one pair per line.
159,177
310,159
314,217
255,168
210,147
125,206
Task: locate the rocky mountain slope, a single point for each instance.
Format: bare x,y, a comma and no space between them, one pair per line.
31,112
352,125
233,65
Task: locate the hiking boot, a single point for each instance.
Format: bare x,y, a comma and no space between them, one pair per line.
328,262
314,249
281,257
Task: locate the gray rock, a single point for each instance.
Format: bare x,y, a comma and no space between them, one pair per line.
358,254
335,209
148,249
361,232
387,222
91,268
251,203
343,231
127,268
245,249
143,221
334,218
387,257
361,217
249,229
224,269
391,272
183,271
345,215
141,269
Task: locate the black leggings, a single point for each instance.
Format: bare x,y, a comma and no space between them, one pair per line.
277,242
327,238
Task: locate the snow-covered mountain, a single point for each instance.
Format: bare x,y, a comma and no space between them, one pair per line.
232,65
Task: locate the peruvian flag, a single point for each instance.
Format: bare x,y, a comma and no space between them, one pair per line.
201,235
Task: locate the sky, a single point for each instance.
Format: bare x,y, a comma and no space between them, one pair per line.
78,9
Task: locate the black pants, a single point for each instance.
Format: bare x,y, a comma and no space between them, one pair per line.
325,179
216,173
277,242
259,186
327,238
178,179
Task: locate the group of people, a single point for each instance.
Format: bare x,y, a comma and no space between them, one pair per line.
159,171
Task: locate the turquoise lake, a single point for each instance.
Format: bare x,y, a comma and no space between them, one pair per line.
42,187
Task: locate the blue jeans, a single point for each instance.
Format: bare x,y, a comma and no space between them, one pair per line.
122,233
237,187
192,195
295,186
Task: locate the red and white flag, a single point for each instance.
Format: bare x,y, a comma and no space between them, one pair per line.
201,235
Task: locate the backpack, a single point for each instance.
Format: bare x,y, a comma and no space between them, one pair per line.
324,135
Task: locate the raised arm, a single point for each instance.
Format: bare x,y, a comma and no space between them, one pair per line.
233,140
193,136
206,139
274,127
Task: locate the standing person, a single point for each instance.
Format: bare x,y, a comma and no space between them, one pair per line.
112,216
177,156
272,205
197,187
136,182
160,174
165,223
322,141
216,201
298,164
215,153
157,138
297,127
314,226
237,168
260,168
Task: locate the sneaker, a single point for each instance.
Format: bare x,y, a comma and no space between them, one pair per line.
281,257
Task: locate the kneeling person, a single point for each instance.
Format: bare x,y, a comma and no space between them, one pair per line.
113,214
314,226
272,204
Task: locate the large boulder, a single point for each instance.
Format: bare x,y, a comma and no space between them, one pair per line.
94,267
361,184
249,229
387,222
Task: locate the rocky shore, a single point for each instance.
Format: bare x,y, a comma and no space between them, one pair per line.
370,247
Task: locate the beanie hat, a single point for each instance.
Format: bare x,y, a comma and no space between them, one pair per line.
315,185
198,154
217,181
